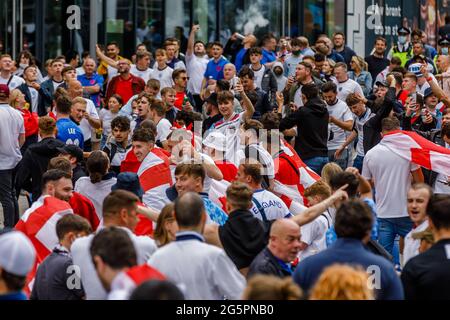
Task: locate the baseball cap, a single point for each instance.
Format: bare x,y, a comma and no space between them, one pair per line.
427,93
129,181
415,68
382,84
403,30
212,99
4,90
216,140
17,253
444,42
73,150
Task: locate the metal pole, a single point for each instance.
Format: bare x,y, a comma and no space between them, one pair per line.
93,28
283,18
21,25
14,29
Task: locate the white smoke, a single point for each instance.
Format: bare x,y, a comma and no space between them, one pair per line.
252,17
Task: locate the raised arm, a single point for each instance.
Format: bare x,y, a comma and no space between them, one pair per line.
191,40
105,58
246,103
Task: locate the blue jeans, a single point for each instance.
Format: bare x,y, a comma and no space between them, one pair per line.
342,161
389,228
358,163
316,164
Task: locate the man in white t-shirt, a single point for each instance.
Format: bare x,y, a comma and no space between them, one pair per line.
142,67
196,62
341,122
12,137
90,119
391,176
313,238
163,126
418,197
345,86
266,205
119,210
6,75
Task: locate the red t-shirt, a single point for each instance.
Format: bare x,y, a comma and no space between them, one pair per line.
179,98
31,122
229,170
124,89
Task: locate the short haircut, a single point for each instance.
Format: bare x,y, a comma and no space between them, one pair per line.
160,52
121,122
60,163
13,282
252,124
420,185
223,85
246,72
296,42
329,86
342,178
341,65
119,200
303,41
319,188
63,105
143,135
255,50
47,125
97,165
307,65
239,195
266,38
396,61
67,69
57,60
192,170
380,39
445,131
154,84
159,107
271,121
217,43
147,96
352,99
118,98
254,171
79,100
310,91
318,57
114,246
224,97
189,209
410,75
149,125
438,211
72,223
157,290
339,33
142,55
390,124
53,176
112,43
176,73
167,90
353,220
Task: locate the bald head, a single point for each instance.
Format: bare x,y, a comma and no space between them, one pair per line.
189,210
74,88
282,227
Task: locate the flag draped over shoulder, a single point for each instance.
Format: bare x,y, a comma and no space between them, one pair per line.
415,148
155,177
217,193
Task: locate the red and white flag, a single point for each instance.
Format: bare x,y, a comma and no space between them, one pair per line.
416,149
38,223
155,178
292,173
218,193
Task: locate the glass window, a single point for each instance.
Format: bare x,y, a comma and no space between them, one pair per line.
52,29
204,13
335,15
5,27
293,9
178,25
150,21
119,25
313,19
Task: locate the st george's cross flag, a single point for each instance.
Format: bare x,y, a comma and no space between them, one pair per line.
416,149
155,177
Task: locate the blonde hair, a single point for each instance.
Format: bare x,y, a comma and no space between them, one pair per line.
361,63
13,97
342,282
265,287
330,170
79,100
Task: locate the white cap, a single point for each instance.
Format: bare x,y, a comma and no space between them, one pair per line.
17,254
216,140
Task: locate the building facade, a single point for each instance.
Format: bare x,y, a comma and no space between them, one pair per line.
51,27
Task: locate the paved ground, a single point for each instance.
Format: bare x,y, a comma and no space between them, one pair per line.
23,205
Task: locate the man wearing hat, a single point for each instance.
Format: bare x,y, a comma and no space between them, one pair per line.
12,137
75,155
17,257
215,146
444,45
403,48
212,111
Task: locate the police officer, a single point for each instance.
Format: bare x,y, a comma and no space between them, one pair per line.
403,49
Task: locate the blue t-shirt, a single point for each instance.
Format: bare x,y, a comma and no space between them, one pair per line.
69,132
96,79
215,70
268,56
240,59
331,236
215,213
